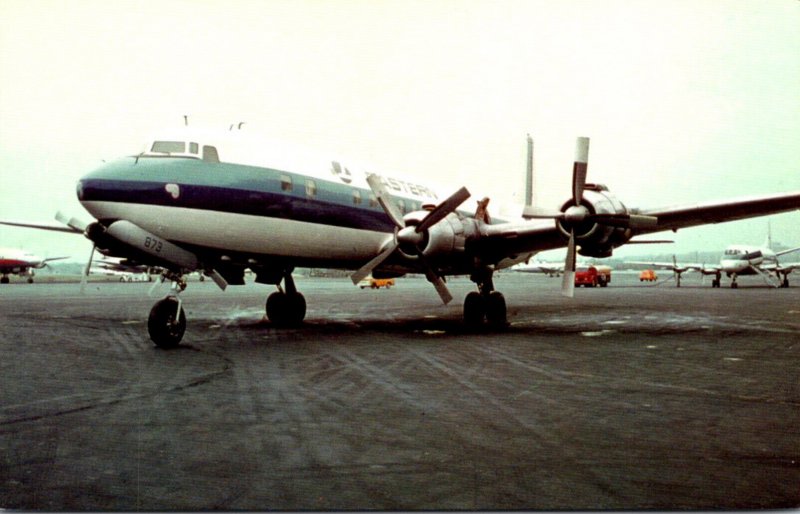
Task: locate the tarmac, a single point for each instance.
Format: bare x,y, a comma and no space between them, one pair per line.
634,396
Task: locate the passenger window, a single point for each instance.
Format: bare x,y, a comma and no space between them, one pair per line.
210,154
193,148
402,205
311,188
286,183
356,197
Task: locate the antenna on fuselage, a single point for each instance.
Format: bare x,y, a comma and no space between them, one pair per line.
185,120
239,126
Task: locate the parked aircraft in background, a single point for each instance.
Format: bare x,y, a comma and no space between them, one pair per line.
737,260
19,262
222,203
126,270
551,269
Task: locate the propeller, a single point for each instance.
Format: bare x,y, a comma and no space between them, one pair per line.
578,213
410,237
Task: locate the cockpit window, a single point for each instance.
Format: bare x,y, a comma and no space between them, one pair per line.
168,147
193,147
210,154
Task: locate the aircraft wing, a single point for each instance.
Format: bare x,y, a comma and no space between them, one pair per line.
705,269
674,218
42,226
538,235
653,264
786,267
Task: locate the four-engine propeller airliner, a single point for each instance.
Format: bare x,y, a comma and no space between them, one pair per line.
18,262
224,203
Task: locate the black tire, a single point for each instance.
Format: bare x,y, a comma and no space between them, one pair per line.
474,309
496,313
165,331
4,280
286,310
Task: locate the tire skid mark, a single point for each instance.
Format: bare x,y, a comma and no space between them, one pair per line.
92,401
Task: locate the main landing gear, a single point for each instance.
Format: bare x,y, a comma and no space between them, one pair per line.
486,304
167,321
286,308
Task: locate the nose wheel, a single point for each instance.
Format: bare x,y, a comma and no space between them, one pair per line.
167,321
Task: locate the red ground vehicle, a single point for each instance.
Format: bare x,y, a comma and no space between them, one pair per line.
592,276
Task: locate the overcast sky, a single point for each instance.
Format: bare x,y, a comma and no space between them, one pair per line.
684,101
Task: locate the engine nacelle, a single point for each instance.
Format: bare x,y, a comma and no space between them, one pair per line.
596,239
152,245
444,238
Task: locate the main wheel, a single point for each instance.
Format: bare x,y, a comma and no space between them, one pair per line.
3,280
496,314
474,309
286,309
165,325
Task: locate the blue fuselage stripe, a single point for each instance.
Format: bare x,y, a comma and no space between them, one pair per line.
232,188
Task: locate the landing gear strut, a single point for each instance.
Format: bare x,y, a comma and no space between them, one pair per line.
486,303
167,321
286,308
734,284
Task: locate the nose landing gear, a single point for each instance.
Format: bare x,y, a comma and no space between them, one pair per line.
167,321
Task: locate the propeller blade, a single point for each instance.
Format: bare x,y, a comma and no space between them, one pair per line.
218,279
532,212
156,283
437,281
443,209
73,223
367,268
568,281
385,199
579,169
85,274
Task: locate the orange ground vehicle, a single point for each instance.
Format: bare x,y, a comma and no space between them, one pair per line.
648,275
592,276
376,283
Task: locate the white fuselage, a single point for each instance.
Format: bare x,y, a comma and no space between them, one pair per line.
740,259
